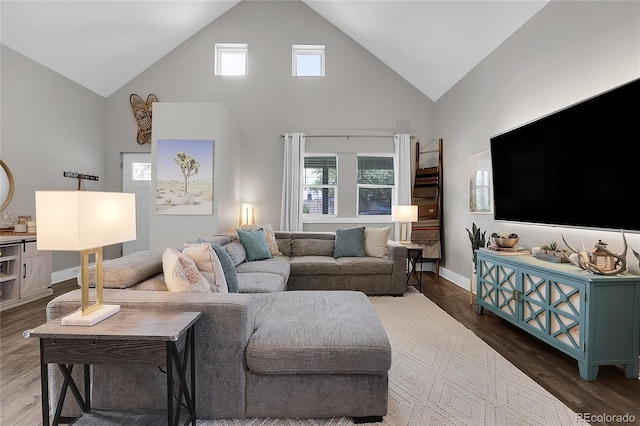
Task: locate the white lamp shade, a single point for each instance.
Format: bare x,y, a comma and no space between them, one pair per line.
81,220
404,213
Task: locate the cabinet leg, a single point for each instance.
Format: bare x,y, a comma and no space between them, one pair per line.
631,370
587,372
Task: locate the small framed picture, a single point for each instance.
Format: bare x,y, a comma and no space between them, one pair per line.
480,186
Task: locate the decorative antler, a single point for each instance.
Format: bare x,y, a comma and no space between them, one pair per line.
620,265
583,257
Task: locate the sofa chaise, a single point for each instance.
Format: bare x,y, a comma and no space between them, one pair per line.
292,354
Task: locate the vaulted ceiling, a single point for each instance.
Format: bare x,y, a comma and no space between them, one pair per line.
104,44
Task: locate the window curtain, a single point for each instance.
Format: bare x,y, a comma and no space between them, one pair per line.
291,209
402,142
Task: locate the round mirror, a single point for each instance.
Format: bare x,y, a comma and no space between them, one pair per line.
6,185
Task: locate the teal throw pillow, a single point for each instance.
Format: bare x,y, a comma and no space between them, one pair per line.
255,244
230,273
349,242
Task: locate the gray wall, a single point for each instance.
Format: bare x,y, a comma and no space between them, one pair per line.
568,52
198,121
358,95
49,125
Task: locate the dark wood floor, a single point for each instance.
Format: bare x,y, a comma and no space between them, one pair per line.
611,394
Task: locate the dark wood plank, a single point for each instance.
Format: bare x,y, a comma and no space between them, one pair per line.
611,394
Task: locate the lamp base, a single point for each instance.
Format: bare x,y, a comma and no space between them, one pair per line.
92,318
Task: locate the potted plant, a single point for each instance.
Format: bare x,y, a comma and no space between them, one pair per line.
552,253
478,239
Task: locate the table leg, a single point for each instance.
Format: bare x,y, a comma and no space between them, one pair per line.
412,267
181,369
169,384
193,374
87,387
44,383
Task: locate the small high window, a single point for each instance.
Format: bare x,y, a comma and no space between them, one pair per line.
231,59
307,60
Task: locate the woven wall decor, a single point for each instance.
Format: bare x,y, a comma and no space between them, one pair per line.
142,113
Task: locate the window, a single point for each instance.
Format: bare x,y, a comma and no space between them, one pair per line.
319,185
375,185
231,59
307,60
140,171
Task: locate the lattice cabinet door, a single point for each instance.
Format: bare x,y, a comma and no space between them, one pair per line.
497,287
595,319
553,310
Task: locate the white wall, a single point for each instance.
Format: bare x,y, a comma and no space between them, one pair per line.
199,121
568,52
49,125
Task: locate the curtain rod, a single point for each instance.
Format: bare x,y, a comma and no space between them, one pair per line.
349,136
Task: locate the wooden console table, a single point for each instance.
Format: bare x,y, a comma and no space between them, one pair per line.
592,318
130,336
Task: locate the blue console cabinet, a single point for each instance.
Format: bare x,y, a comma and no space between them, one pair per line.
592,318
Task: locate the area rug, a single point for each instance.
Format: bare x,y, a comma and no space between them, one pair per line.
443,374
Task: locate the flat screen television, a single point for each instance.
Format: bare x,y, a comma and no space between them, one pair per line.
577,167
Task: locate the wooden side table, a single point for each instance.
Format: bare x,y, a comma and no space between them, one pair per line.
165,339
414,257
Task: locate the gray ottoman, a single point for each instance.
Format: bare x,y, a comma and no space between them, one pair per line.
317,354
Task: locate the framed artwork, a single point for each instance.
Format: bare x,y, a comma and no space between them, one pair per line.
184,178
480,185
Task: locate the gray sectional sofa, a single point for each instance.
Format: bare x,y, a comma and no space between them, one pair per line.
294,354
263,352
313,267
306,263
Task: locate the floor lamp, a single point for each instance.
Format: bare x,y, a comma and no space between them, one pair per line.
85,221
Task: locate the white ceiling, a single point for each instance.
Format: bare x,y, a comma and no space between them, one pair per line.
104,44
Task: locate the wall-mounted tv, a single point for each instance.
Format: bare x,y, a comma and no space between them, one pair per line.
577,167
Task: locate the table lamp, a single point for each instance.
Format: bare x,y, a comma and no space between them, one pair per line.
85,221
404,215
247,214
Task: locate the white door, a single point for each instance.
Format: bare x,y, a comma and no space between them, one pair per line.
136,178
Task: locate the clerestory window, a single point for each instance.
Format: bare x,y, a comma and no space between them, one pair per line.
307,60
231,59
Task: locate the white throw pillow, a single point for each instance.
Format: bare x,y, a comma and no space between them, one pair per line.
181,273
209,265
375,241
